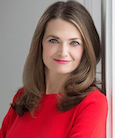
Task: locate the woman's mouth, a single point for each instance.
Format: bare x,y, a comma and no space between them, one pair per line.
62,61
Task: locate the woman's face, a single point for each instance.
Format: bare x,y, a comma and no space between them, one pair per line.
62,47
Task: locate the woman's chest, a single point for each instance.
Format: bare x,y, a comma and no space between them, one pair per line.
47,123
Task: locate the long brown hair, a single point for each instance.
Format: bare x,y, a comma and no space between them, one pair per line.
82,79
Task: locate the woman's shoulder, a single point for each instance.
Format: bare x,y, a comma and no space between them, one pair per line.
96,96
95,99
96,93
11,114
92,106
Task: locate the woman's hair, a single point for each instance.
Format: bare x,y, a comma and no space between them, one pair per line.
82,79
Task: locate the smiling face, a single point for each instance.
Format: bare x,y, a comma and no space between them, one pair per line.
62,47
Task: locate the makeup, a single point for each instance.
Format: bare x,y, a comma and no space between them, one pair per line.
62,61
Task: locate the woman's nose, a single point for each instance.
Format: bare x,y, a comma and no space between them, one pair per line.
63,50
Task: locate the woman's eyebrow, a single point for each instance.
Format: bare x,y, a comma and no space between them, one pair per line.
75,38
53,36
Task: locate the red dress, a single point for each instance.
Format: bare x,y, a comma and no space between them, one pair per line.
85,120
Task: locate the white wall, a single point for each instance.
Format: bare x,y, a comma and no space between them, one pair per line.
113,68
18,20
108,36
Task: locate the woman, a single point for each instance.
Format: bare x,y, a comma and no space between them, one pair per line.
59,98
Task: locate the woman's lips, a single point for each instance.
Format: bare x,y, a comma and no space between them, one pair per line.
62,61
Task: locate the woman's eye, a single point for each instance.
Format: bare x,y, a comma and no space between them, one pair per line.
53,41
75,43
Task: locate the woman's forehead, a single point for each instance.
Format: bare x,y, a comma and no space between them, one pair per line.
60,27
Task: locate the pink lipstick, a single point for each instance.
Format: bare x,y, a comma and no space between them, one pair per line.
62,61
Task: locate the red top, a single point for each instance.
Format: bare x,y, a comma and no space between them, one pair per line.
85,120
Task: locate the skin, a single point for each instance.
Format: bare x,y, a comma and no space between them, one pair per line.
62,53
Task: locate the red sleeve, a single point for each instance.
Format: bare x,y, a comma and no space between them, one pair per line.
10,117
91,117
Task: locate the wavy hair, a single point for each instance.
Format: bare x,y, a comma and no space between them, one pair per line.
82,79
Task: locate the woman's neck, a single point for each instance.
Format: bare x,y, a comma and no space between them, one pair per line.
55,82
